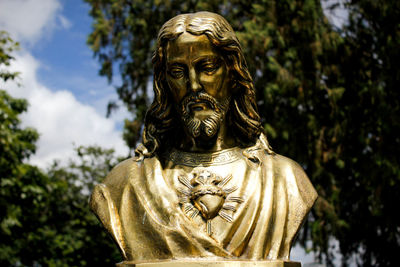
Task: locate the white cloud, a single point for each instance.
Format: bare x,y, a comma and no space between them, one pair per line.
30,20
338,15
61,120
65,23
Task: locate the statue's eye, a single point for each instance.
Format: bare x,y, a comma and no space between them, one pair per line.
176,72
209,68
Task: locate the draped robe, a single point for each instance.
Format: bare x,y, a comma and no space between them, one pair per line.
140,204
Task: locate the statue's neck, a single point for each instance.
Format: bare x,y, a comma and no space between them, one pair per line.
222,140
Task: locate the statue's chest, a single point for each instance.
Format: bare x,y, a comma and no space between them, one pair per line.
214,196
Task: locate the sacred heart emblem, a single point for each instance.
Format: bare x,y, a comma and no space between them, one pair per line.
206,194
209,205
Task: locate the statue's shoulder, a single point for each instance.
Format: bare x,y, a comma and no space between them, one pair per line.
294,174
110,189
284,163
121,173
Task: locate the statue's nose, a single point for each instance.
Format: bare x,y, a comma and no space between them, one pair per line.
193,82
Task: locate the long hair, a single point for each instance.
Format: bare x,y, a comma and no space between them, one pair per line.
161,117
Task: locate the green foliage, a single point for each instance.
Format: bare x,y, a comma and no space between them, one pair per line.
7,46
44,217
21,184
49,222
73,235
368,118
328,98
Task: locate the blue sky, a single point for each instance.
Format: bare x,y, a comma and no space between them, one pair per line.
59,78
70,60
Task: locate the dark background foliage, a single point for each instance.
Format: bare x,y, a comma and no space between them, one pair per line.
328,99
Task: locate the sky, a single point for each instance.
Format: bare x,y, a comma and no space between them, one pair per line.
335,11
59,78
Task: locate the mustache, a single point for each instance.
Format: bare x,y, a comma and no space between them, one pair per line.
199,98
206,127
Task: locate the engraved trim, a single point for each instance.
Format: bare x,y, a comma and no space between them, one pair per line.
205,159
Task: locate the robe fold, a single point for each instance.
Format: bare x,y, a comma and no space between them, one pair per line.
141,204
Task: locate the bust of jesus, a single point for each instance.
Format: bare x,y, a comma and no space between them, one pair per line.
205,184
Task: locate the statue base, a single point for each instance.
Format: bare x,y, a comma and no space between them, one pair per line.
227,263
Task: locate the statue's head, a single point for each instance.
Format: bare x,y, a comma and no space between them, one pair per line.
200,82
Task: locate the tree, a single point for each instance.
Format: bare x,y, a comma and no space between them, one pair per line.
72,234
327,96
22,185
19,199
44,217
368,121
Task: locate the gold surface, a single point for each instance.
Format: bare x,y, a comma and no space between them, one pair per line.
205,184
214,264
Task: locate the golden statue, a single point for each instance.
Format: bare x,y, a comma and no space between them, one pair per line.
205,188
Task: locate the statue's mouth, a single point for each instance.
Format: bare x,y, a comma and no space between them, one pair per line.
200,102
199,106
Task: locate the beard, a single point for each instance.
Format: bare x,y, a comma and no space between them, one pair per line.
208,127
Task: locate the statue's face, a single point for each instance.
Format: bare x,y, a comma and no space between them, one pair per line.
197,76
194,65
